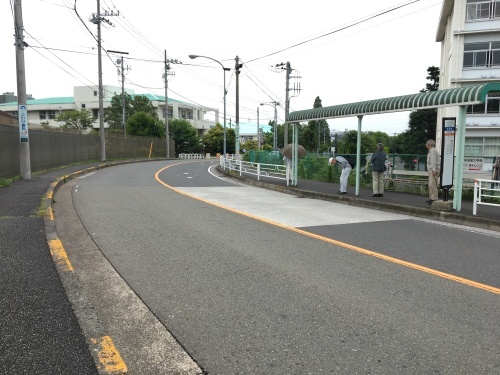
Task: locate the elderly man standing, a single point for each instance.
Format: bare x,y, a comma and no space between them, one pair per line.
433,167
378,169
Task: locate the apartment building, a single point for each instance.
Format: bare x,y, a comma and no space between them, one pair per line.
87,97
469,33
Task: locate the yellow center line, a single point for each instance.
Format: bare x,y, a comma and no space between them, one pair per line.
418,267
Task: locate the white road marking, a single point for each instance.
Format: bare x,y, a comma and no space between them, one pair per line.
86,175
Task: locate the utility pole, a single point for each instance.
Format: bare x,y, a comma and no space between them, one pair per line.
287,101
237,68
123,101
122,74
276,126
296,89
97,19
165,78
101,93
22,105
258,130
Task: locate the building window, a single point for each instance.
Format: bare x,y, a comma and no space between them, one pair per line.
183,114
52,115
95,93
491,107
482,147
83,105
170,113
43,115
189,115
95,113
485,54
482,9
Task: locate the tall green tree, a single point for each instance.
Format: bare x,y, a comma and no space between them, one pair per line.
138,103
214,140
185,136
422,123
347,143
317,134
79,120
145,125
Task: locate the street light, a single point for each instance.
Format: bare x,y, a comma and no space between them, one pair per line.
225,92
275,145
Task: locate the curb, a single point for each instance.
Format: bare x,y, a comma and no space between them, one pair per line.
106,357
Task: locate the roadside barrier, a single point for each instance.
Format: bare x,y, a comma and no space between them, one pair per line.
276,171
191,156
488,190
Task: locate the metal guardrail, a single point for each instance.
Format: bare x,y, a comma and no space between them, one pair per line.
277,171
485,189
191,156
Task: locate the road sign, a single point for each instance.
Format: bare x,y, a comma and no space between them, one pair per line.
23,123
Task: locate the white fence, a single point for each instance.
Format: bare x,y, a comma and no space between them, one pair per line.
485,189
191,156
277,171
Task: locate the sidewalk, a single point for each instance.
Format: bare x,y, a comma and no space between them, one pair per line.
488,217
39,333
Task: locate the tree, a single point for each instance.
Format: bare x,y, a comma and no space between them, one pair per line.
348,141
79,120
143,124
316,135
138,103
185,136
214,140
249,145
422,123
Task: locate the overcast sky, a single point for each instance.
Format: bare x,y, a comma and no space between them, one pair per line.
387,55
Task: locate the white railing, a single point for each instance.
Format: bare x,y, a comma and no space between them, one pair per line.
276,171
191,156
485,189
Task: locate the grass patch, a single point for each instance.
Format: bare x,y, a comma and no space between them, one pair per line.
41,211
4,182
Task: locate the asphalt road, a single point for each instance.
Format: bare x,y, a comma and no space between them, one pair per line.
251,281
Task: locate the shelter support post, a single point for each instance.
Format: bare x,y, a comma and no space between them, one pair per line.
295,153
459,159
358,153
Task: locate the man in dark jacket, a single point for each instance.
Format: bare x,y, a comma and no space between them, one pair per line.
378,169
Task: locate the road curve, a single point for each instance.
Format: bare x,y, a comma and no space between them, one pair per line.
277,284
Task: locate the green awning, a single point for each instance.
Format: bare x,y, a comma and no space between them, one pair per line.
433,99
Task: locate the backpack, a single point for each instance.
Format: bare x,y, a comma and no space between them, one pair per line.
350,160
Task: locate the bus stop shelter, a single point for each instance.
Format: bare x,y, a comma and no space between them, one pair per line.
460,97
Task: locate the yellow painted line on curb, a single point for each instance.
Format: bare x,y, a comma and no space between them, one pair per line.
109,357
418,267
59,254
50,213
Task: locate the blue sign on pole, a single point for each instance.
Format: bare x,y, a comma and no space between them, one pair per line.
448,151
23,123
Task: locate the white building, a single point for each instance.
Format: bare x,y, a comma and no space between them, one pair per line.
469,32
87,97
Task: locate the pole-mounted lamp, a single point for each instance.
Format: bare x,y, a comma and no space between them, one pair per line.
225,92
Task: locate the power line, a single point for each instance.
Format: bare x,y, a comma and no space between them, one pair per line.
337,30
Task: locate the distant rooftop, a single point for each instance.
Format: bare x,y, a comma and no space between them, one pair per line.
71,99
